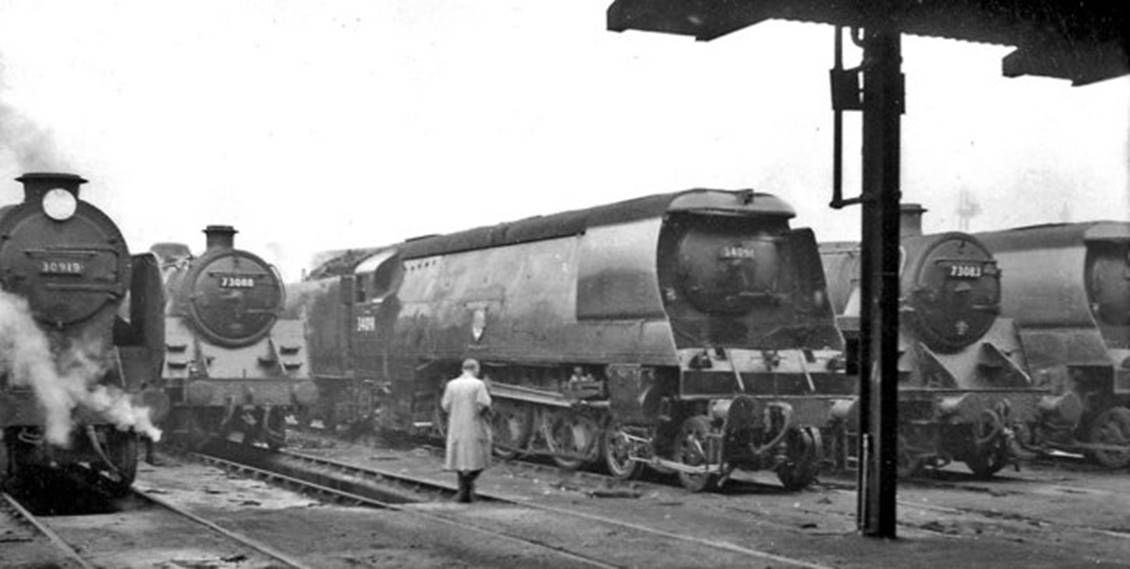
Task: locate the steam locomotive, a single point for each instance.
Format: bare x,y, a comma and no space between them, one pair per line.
1068,289
233,369
73,366
964,391
688,332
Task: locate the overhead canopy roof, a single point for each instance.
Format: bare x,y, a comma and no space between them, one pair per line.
1080,40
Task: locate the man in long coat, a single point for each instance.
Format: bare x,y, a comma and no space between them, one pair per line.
466,402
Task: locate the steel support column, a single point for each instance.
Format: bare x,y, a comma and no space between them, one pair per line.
879,282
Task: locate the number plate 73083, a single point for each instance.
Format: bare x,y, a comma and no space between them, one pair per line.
964,271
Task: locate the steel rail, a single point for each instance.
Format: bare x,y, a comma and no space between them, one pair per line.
238,537
723,545
716,544
51,535
409,511
1001,523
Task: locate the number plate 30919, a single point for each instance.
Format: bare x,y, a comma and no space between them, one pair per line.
49,267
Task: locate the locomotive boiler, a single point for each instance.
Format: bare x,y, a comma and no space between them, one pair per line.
688,332
1068,289
964,391
82,333
233,369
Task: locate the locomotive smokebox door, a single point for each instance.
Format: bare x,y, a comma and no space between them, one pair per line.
86,268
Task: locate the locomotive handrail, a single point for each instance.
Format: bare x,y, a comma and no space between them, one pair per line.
86,287
86,250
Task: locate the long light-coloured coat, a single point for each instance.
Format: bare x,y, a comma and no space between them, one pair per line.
468,433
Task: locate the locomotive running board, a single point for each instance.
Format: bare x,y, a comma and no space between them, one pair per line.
680,467
530,395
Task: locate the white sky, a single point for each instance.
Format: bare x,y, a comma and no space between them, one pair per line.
312,125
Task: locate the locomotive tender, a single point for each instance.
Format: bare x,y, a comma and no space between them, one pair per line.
68,261
963,387
689,332
1068,289
233,369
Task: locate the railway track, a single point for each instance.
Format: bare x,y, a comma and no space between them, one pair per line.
365,487
1004,515
234,536
20,525
87,540
366,484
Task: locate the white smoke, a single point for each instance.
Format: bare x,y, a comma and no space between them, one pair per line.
64,381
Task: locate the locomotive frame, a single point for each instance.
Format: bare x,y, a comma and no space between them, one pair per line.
233,368
964,392
1069,292
688,332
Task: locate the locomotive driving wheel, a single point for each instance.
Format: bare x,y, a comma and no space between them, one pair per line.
804,453
991,453
511,424
572,437
692,448
617,453
1112,427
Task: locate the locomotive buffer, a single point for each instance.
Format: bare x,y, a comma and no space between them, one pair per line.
1083,41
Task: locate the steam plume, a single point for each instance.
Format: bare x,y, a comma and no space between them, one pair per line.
33,148
64,382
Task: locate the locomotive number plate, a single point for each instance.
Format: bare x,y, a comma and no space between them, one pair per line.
735,252
237,282
959,271
61,267
366,323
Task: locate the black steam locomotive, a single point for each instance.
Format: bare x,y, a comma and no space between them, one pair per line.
1068,288
233,369
76,352
964,392
688,332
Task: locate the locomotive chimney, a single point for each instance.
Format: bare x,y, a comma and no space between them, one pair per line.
37,184
910,220
220,236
